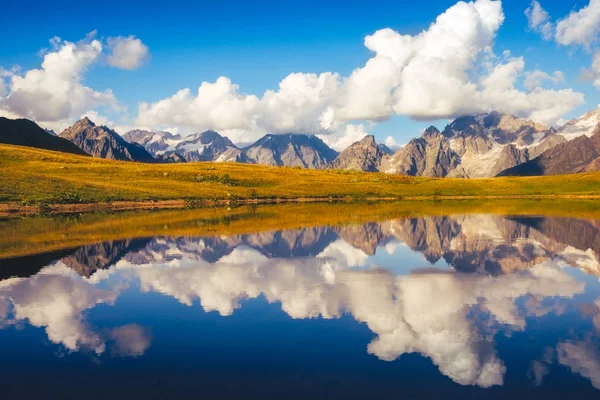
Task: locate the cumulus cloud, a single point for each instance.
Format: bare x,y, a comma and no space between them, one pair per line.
345,136
580,27
539,20
536,79
127,52
391,143
445,71
55,93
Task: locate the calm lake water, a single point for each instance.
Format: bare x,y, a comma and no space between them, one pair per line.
454,307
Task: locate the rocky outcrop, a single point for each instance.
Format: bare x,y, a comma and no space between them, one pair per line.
23,132
103,142
429,155
581,154
364,155
292,150
474,147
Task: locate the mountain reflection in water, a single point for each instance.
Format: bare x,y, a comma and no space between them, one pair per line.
448,288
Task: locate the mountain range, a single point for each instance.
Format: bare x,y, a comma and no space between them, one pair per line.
103,142
479,146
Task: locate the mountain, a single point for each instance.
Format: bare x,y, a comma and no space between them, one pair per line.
583,125
205,146
364,155
156,143
24,132
474,147
208,146
429,155
102,142
292,150
581,154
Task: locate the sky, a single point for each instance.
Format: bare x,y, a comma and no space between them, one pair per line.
338,69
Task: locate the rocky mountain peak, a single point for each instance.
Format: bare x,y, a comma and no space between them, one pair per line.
83,123
368,141
103,142
583,125
364,155
208,146
290,149
431,132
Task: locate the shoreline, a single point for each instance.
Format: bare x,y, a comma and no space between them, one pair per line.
14,209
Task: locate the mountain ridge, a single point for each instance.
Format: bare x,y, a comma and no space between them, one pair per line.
103,142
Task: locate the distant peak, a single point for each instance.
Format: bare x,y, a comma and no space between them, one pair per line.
85,121
368,139
431,131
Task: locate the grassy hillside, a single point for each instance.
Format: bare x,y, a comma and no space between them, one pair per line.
32,235
32,175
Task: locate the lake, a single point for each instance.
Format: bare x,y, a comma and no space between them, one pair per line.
258,303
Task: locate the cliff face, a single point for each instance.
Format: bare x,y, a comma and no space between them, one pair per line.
429,155
581,154
364,155
102,142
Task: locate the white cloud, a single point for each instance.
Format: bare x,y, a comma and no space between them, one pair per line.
445,71
127,52
345,136
536,78
593,74
391,143
55,93
538,20
580,27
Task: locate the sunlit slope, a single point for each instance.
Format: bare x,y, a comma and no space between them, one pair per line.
37,175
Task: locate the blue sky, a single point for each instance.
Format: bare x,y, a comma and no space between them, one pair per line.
257,44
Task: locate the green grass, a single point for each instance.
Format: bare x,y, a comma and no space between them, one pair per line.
37,176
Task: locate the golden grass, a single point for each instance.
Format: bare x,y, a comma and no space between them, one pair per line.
33,235
32,175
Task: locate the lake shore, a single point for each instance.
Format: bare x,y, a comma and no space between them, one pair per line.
13,209
39,181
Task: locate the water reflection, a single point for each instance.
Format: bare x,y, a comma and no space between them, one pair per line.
480,277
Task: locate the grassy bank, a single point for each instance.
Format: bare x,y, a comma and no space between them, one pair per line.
39,234
37,176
